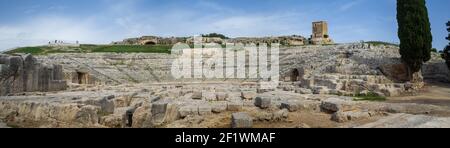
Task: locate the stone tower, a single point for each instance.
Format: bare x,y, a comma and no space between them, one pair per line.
320,29
320,33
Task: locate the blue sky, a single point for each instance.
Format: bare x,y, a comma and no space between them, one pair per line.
34,22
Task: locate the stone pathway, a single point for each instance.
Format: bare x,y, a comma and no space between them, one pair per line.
434,94
3,125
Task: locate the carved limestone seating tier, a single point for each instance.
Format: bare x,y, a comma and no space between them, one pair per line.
358,67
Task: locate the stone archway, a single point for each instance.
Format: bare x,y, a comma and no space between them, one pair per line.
150,43
83,78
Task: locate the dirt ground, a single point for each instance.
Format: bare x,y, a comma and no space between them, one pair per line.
299,119
2,124
311,120
433,93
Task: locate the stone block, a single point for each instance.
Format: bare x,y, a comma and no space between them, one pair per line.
221,96
292,106
280,115
209,96
248,95
234,106
159,110
204,110
219,107
197,95
188,110
263,102
336,104
241,120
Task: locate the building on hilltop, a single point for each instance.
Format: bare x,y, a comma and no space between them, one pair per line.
320,33
151,40
320,29
319,36
293,40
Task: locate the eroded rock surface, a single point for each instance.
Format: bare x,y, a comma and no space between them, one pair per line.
22,73
409,121
138,91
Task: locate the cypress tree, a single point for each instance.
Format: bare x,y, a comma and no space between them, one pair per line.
446,52
414,32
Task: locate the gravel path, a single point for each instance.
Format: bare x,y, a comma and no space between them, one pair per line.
434,94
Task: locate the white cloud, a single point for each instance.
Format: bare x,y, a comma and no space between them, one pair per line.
40,30
122,19
31,9
179,22
257,25
57,8
213,6
349,5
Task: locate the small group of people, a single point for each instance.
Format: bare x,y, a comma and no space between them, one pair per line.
60,42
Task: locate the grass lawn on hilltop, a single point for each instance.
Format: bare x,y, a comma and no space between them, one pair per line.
31,50
42,50
378,43
127,48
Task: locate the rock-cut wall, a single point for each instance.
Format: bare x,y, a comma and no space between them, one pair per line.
22,73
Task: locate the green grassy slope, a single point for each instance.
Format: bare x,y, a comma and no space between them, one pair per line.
42,50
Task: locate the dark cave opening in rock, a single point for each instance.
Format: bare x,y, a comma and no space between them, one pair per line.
295,74
150,43
83,78
129,118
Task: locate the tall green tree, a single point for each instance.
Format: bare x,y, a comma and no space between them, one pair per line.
215,35
446,52
414,32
